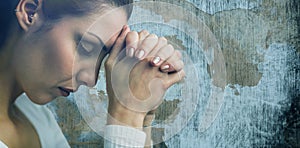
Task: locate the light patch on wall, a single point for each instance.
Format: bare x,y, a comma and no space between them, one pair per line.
254,116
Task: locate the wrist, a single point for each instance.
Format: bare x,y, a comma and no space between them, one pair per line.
123,116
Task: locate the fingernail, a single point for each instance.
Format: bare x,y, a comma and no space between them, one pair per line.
156,60
165,67
131,52
140,54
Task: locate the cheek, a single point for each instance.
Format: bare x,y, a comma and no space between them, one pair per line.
61,54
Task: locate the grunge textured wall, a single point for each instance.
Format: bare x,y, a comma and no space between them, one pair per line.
259,40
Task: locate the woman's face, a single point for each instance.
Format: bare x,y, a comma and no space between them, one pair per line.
49,64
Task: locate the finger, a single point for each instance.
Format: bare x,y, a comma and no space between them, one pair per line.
146,46
143,34
119,44
173,64
162,41
174,78
132,40
162,55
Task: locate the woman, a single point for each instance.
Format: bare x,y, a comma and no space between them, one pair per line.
48,49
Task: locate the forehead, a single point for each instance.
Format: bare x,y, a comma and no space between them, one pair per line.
106,25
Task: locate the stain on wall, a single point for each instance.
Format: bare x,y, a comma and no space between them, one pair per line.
259,40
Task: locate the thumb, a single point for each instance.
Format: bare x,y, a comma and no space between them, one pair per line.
174,78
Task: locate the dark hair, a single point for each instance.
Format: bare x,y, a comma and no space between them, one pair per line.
56,9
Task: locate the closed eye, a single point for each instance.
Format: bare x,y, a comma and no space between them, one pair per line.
90,44
85,48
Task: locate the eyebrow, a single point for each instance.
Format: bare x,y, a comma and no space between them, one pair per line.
104,46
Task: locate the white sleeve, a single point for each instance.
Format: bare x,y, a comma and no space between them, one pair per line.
116,136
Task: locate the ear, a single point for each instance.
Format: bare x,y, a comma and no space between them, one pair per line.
29,14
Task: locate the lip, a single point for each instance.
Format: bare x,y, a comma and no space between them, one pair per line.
65,91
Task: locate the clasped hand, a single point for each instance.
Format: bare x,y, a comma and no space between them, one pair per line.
139,70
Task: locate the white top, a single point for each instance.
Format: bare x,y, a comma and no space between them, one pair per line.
51,136
2,145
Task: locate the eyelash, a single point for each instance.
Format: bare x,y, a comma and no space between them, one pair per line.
87,52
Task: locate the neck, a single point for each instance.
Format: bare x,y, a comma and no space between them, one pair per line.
9,88
9,92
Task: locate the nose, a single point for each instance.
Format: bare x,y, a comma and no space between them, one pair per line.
87,77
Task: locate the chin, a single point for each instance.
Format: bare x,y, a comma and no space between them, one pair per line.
41,102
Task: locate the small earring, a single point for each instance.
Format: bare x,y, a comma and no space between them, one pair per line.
30,18
16,10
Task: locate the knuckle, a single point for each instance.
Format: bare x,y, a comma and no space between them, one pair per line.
178,53
183,74
163,55
152,36
170,48
163,40
143,33
146,45
179,65
150,41
132,34
166,52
